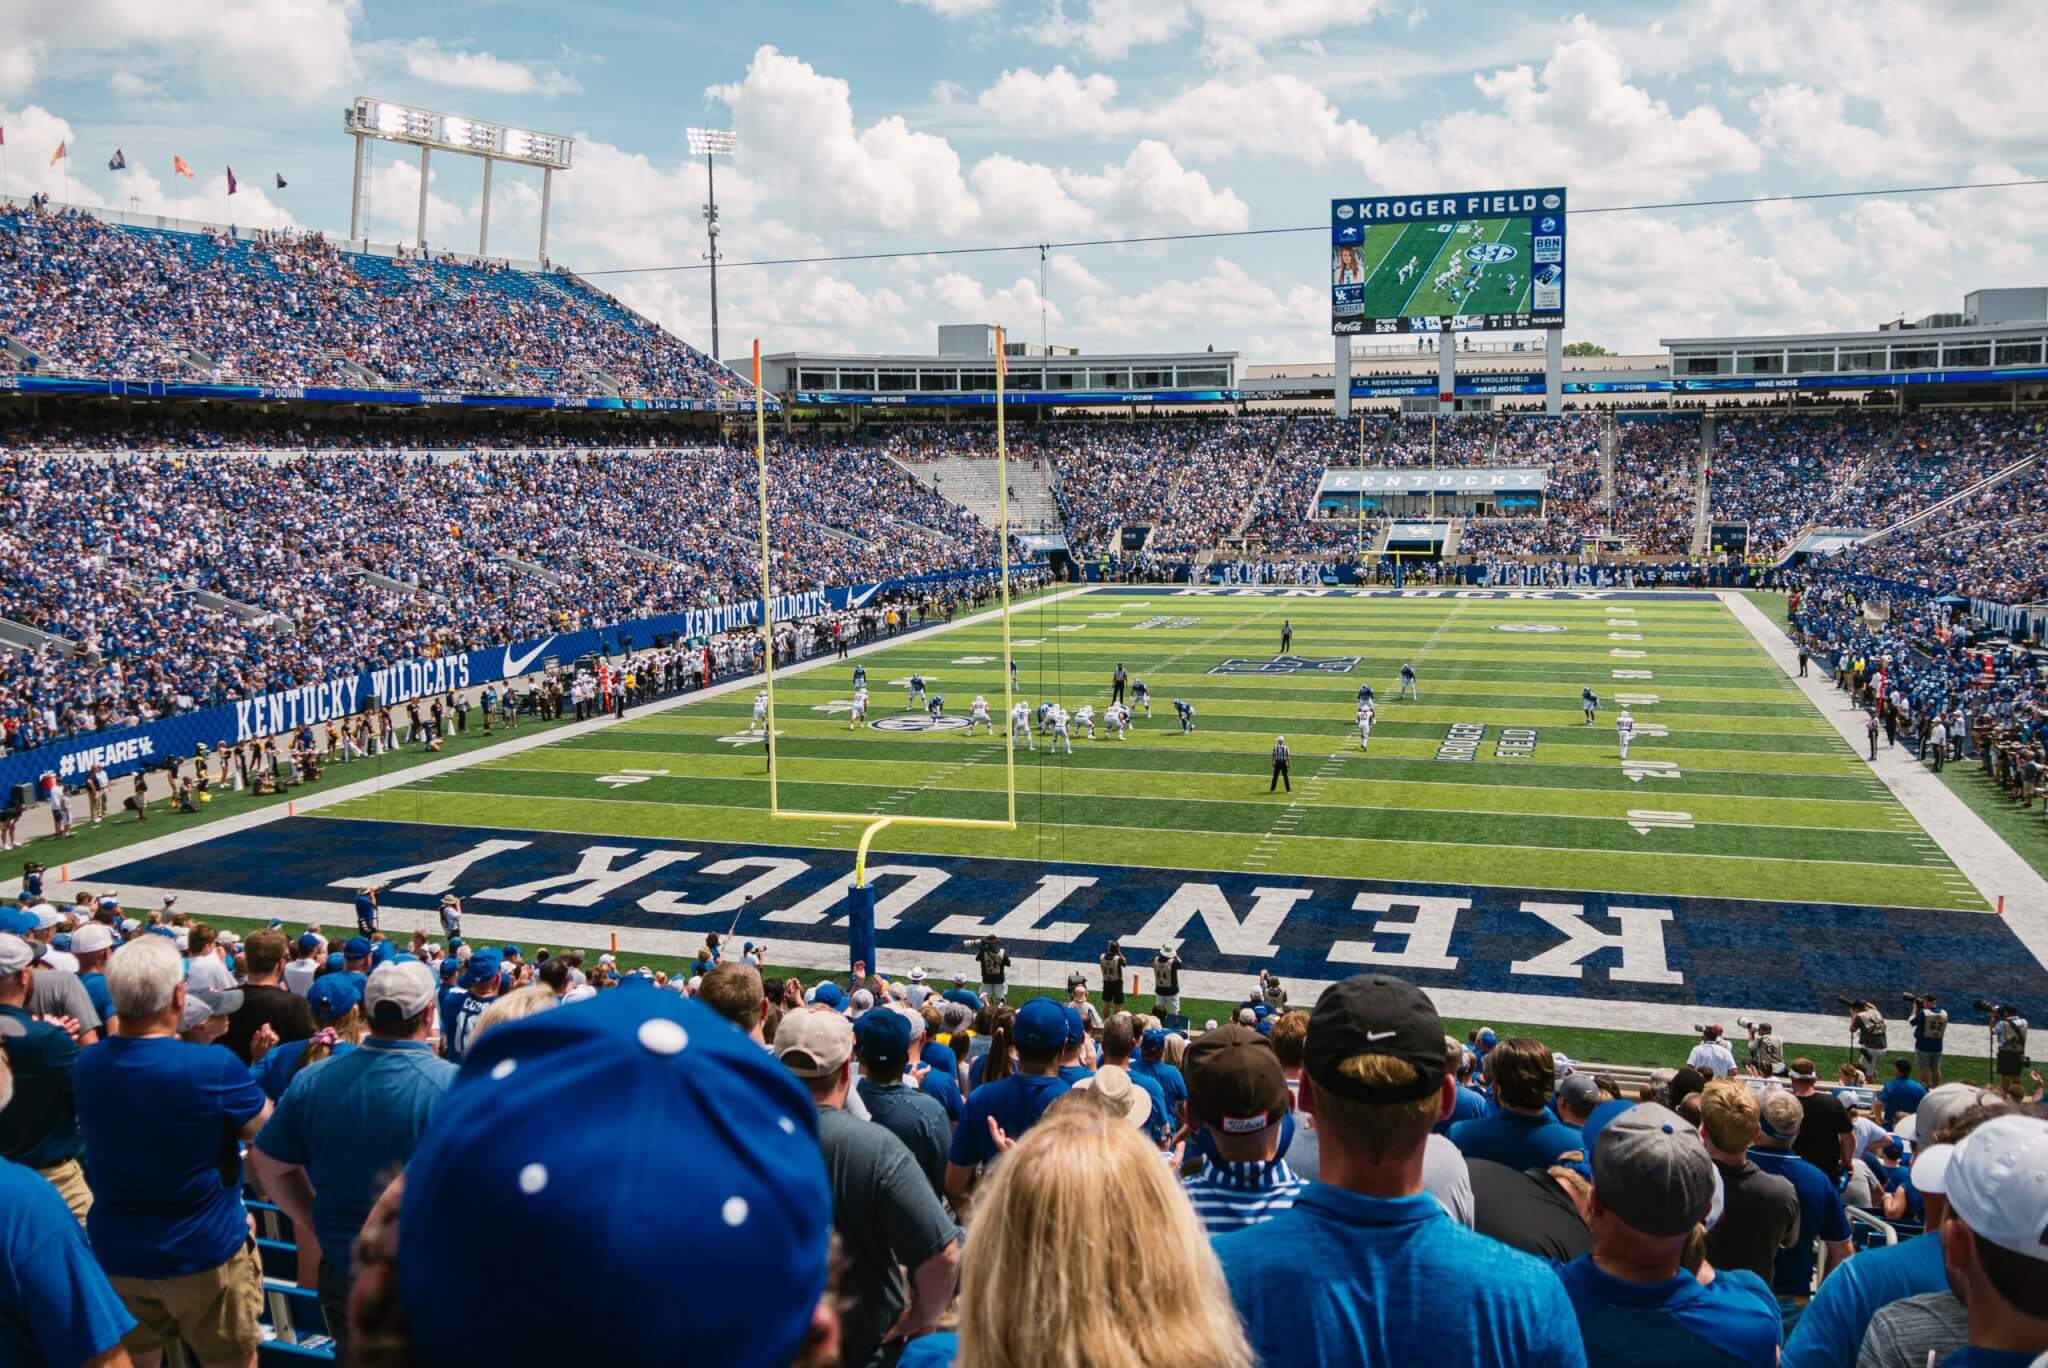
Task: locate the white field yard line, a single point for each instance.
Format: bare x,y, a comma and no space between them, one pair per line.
1318,778
1027,971
312,802
1991,866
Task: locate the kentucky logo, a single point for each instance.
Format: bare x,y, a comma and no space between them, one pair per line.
1287,664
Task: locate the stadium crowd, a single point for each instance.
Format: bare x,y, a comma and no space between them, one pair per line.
98,299
900,1172
461,552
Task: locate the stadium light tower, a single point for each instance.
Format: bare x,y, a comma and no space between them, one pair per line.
427,130
712,143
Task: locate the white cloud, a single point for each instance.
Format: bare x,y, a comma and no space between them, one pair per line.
1109,29
291,50
1055,103
954,9
427,60
1152,191
126,85
1271,21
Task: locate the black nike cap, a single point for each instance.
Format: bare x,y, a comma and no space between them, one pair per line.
1374,1014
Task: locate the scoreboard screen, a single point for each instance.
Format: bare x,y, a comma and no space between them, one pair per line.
1489,261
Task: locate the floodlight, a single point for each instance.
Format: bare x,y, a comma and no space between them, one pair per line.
708,142
429,129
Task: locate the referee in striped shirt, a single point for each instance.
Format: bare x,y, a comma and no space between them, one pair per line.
1281,755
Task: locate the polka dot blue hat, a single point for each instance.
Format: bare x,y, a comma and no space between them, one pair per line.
636,1158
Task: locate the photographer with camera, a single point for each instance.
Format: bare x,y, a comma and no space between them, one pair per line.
2009,1044
1930,1024
1766,1051
1866,1034
1712,1055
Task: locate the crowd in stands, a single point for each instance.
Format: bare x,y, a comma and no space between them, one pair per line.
91,298
1988,546
901,1172
108,555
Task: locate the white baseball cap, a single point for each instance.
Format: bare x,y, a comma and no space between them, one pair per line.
1995,1184
92,937
405,987
1930,1169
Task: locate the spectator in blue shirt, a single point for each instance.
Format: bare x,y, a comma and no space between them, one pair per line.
91,944
1151,1063
1471,1103
346,1124
1347,1275
1830,1331
941,1079
1237,1095
366,910
40,1130
160,1117
1900,1096
336,1005
1013,1103
1653,1186
1521,1133
56,1309
1821,1214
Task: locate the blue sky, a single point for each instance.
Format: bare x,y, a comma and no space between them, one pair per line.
889,125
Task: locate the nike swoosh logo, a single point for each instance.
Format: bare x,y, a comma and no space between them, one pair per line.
519,666
1375,1037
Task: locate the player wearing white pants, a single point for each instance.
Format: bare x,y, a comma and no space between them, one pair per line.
860,708
1059,730
1624,731
1020,724
977,713
915,694
1408,689
760,711
1365,718
1085,716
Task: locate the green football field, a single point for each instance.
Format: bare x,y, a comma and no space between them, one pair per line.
1736,788
1434,248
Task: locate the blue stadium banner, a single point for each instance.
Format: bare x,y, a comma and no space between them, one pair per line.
147,746
1473,261
988,399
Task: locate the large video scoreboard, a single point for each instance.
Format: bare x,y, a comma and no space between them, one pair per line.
1488,261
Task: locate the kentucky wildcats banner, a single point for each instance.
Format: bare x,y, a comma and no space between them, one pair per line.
126,749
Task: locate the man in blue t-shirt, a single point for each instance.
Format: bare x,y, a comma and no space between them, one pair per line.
1151,1064
1341,1277
346,1124
1653,1182
366,910
1521,1133
40,1129
55,1304
1821,1214
479,983
1901,1095
161,1117
1014,1103
1471,1103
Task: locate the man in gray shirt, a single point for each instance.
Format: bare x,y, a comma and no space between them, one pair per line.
882,1206
881,1040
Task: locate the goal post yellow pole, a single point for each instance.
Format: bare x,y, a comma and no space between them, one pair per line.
1003,560
767,587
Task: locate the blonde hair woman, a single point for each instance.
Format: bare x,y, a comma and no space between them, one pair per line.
520,1002
1047,1194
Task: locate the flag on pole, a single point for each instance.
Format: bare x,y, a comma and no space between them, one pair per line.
231,180
117,162
3,136
60,154
178,166
280,182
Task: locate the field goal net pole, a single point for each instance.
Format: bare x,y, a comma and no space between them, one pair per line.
860,894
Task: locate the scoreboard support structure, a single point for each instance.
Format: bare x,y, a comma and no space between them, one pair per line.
1553,372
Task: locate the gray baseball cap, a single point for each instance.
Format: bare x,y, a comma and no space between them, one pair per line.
1650,1169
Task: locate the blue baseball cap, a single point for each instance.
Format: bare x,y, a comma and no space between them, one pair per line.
309,941
382,952
882,1038
482,965
334,958
828,994
654,1264
940,1057
15,922
510,952
1153,1041
332,997
1077,1025
356,947
450,967
1041,1025
1597,1120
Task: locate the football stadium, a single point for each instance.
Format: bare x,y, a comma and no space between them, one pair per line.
776,846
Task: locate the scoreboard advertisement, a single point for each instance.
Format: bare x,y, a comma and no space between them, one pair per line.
1487,261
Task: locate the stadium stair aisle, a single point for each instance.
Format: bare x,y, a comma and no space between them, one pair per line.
1992,866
